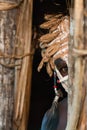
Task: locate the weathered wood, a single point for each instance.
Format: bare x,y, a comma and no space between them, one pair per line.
7,40
83,118
24,31
77,70
85,75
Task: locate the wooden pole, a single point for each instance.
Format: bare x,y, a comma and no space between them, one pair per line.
28,35
23,87
7,42
85,43
77,88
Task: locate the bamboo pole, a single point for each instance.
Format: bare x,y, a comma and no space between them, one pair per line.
24,81
26,103
78,67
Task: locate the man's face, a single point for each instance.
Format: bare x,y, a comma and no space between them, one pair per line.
62,71
62,67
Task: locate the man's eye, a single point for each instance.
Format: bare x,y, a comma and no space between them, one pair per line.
64,70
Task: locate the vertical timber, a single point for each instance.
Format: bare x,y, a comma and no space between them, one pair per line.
28,38
85,42
24,73
77,115
7,41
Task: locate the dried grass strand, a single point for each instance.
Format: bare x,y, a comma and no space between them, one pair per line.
9,5
48,37
24,19
54,41
50,16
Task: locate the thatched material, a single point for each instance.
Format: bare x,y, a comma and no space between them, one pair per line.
53,43
8,4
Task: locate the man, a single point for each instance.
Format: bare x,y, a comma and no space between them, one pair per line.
54,46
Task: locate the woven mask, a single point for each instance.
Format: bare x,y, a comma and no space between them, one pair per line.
54,45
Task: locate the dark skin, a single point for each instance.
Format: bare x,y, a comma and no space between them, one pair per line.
62,67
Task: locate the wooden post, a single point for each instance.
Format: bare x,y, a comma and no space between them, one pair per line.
28,37
85,43
7,42
23,83
76,117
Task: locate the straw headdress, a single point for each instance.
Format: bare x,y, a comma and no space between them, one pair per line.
54,44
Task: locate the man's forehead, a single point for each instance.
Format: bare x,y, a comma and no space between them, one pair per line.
59,62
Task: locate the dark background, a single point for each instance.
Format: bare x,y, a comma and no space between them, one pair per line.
41,94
